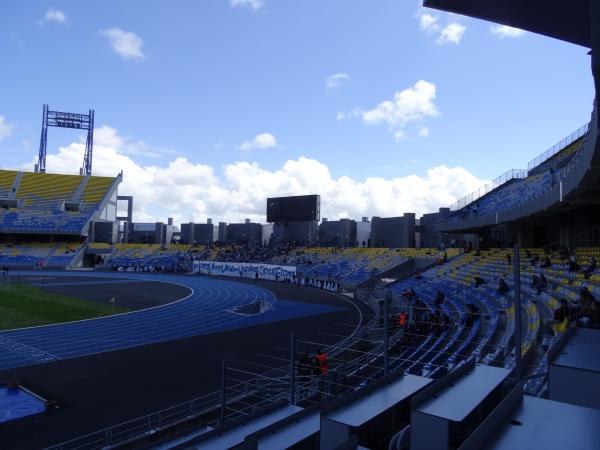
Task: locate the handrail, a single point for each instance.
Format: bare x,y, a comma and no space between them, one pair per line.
499,181
563,174
273,382
519,173
556,148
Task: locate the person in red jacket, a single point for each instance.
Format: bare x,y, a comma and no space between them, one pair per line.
402,319
323,363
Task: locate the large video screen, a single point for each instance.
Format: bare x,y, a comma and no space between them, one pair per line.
300,208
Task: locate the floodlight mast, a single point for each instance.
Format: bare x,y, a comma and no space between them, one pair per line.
67,120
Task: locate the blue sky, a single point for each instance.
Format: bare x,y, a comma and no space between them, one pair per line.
220,83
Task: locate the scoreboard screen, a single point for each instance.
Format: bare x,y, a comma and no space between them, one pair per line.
300,208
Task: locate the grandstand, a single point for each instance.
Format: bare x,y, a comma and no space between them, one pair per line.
521,188
485,339
45,217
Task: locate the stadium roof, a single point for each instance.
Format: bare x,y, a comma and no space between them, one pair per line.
560,19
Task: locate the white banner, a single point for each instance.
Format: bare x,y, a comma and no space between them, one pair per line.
247,270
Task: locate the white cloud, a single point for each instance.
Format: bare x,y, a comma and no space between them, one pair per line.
428,22
55,15
503,31
336,80
5,128
451,34
413,104
125,43
192,191
254,4
262,140
423,131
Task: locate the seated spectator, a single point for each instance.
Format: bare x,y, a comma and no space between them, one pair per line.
479,281
563,311
546,263
590,269
502,286
573,266
586,301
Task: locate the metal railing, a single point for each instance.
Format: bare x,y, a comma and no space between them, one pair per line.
142,426
580,132
519,173
507,176
268,387
563,174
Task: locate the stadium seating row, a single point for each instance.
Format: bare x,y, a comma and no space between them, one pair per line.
40,197
516,192
38,254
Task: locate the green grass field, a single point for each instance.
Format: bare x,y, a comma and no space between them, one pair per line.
23,305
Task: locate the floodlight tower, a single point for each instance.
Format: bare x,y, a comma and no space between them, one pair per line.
67,120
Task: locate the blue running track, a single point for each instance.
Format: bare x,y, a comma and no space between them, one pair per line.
206,310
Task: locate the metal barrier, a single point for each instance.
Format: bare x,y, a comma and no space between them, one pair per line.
267,388
580,132
473,196
519,173
143,426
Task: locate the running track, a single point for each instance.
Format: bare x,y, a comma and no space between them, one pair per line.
207,309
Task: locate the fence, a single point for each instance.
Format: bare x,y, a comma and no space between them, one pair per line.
580,132
507,176
518,173
259,391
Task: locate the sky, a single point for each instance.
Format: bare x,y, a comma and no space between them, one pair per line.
208,107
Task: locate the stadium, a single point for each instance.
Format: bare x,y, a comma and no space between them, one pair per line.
473,327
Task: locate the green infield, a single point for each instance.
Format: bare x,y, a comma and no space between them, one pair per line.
22,305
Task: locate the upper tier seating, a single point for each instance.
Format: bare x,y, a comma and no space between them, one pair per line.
560,159
46,190
7,178
41,221
519,191
96,189
40,197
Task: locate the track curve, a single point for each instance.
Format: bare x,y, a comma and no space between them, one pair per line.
206,310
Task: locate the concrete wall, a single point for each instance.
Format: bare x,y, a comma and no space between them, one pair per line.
340,233
394,232
197,233
146,233
244,234
304,233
